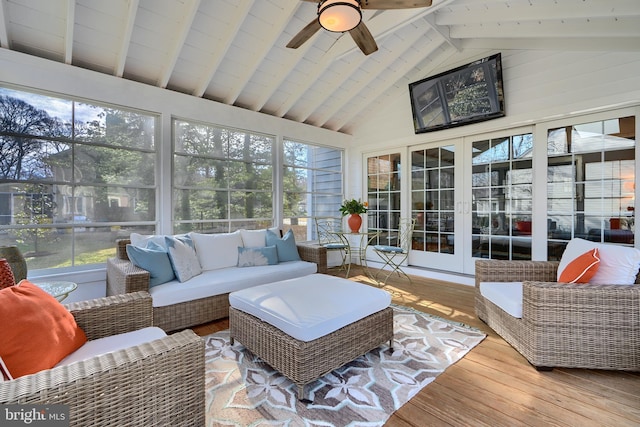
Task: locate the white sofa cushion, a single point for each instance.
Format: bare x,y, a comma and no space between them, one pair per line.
506,295
217,250
619,265
311,307
254,238
113,343
225,280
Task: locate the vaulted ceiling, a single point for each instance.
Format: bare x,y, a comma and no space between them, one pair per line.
234,51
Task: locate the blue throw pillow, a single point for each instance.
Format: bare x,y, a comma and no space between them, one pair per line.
287,250
155,261
251,257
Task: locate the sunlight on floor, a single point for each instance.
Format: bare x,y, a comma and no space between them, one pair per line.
408,294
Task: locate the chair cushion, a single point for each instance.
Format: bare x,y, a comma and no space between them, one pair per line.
386,248
335,246
113,343
619,265
582,268
286,247
253,257
506,295
42,331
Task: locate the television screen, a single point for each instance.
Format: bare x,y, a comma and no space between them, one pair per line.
467,94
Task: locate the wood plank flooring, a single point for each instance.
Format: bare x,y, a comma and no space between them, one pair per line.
493,385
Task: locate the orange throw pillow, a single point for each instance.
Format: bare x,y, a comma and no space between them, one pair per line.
37,331
581,269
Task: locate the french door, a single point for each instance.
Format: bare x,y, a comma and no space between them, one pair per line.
437,204
472,198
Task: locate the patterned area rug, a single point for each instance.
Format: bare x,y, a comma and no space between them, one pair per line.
242,390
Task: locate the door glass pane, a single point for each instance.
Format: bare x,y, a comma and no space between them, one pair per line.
383,194
591,183
501,191
433,203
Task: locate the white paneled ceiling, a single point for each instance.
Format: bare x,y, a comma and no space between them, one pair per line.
233,51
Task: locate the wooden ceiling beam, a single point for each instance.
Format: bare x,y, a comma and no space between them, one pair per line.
220,49
182,33
264,46
4,35
68,35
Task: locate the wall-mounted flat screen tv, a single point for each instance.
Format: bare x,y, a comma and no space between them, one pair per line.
467,94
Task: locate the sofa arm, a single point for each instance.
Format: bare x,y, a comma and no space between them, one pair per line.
121,248
312,252
515,271
124,277
102,317
157,383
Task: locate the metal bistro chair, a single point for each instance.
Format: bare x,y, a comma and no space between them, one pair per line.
395,255
327,230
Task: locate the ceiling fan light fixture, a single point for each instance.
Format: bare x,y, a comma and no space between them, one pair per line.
339,15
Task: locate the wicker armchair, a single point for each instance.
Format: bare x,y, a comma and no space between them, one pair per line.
153,384
564,325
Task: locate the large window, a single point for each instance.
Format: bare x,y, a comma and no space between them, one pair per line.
312,186
591,183
73,177
222,179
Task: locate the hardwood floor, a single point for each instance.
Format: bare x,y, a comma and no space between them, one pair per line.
494,385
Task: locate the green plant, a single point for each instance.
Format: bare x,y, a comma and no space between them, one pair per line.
353,206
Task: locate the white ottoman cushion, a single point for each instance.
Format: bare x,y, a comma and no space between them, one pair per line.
307,308
506,295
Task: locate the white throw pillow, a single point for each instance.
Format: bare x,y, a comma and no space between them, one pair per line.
217,250
183,257
619,265
254,238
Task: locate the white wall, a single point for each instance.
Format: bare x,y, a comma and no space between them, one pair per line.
37,73
538,85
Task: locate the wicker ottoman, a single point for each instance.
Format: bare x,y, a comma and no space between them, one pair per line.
356,318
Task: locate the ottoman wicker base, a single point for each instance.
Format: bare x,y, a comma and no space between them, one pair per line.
301,361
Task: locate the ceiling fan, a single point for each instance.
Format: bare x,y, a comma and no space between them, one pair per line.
346,15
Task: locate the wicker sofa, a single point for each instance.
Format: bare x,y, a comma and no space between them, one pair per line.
156,383
564,325
124,277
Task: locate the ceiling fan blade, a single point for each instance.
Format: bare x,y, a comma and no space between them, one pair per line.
364,39
394,4
305,34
